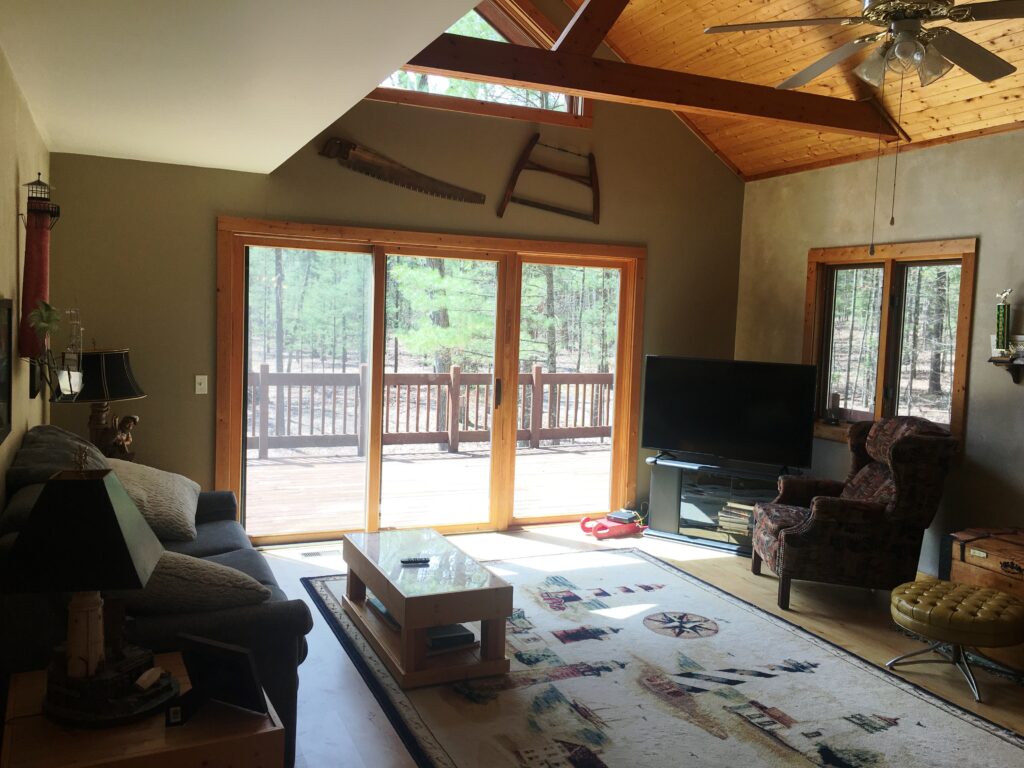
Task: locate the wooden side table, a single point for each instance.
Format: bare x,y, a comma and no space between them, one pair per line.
217,736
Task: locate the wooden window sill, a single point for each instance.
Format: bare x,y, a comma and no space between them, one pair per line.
835,432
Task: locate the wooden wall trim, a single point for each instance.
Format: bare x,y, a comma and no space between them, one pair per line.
486,108
920,250
297,233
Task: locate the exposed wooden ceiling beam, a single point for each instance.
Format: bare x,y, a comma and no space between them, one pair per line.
588,28
493,62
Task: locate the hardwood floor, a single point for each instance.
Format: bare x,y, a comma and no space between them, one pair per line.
340,723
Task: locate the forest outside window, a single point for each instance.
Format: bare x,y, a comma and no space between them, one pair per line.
889,331
486,22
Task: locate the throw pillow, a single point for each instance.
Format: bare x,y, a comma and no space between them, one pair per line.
46,450
185,584
167,501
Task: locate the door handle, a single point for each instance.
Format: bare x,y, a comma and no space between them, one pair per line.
497,392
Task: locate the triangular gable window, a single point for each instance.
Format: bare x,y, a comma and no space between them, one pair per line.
443,92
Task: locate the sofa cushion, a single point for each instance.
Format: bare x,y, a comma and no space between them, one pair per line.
248,561
16,513
46,450
212,539
168,501
183,584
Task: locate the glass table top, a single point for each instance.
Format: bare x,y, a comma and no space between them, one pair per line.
450,569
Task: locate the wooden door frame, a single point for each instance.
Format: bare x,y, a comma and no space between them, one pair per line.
235,235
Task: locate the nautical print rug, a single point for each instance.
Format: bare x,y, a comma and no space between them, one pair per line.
620,659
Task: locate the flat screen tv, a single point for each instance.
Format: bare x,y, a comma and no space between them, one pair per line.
730,410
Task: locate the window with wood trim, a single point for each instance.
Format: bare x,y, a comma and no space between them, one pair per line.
490,20
889,330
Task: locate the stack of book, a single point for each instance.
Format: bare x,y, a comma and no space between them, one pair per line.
735,518
448,638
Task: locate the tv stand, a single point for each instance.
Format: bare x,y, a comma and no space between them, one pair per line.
707,504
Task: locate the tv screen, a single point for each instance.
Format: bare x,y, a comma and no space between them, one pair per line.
731,410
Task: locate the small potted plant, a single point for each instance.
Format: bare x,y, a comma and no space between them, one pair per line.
64,379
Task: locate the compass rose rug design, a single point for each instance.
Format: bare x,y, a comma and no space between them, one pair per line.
620,659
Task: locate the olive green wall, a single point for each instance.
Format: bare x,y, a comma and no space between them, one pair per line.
22,154
969,189
136,248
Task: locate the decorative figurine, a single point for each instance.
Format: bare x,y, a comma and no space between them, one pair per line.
1003,321
123,439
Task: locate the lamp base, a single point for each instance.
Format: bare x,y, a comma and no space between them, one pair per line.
109,697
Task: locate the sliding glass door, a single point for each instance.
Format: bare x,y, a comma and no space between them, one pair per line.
308,330
458,383
568,347
438,400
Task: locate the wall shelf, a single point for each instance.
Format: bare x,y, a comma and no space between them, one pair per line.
1015,367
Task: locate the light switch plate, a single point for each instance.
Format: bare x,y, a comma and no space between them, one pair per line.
202,386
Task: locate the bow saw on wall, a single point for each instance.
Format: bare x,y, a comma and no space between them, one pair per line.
907,45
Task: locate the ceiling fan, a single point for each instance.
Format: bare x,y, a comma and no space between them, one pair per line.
906,44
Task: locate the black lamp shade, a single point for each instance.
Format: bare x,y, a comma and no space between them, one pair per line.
83,534
107,376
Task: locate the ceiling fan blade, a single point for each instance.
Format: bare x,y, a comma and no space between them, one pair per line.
968,55
841,20
1001,9
839,55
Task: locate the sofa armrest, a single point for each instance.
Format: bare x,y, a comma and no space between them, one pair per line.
798,491
249,626
216,505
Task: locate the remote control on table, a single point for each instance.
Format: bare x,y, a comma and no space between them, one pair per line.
415,561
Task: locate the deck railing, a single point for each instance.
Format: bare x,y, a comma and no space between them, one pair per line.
301,410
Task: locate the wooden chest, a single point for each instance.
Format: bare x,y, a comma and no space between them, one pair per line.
990,557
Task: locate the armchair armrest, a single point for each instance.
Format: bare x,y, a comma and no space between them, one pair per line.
216,505
799,491
846,512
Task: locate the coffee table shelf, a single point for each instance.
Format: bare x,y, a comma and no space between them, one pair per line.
453,589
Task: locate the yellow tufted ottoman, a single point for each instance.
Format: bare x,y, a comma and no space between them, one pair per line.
958,614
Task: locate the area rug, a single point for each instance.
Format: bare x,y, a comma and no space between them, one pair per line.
620,659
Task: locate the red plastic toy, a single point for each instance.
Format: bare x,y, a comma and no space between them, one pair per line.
610,529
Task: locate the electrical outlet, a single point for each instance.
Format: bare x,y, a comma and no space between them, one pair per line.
202,387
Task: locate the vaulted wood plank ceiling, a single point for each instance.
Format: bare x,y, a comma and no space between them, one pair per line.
669,34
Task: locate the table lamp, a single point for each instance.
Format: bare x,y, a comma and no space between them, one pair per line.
107,377
84,535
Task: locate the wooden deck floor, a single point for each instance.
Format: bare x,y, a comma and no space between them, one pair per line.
308,493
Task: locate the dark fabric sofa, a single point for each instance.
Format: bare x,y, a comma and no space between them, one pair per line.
274,631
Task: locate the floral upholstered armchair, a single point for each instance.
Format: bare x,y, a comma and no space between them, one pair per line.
866,531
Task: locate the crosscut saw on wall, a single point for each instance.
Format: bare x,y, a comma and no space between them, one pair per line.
364,160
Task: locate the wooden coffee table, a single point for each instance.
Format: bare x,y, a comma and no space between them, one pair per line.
453,589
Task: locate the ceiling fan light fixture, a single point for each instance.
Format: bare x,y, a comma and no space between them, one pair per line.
933,66
905,54
872,69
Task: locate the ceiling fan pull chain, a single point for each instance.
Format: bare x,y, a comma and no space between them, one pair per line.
896,163
878,163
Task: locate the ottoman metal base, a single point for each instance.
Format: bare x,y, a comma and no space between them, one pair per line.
958,660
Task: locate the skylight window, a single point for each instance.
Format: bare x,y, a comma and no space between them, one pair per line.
474,25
